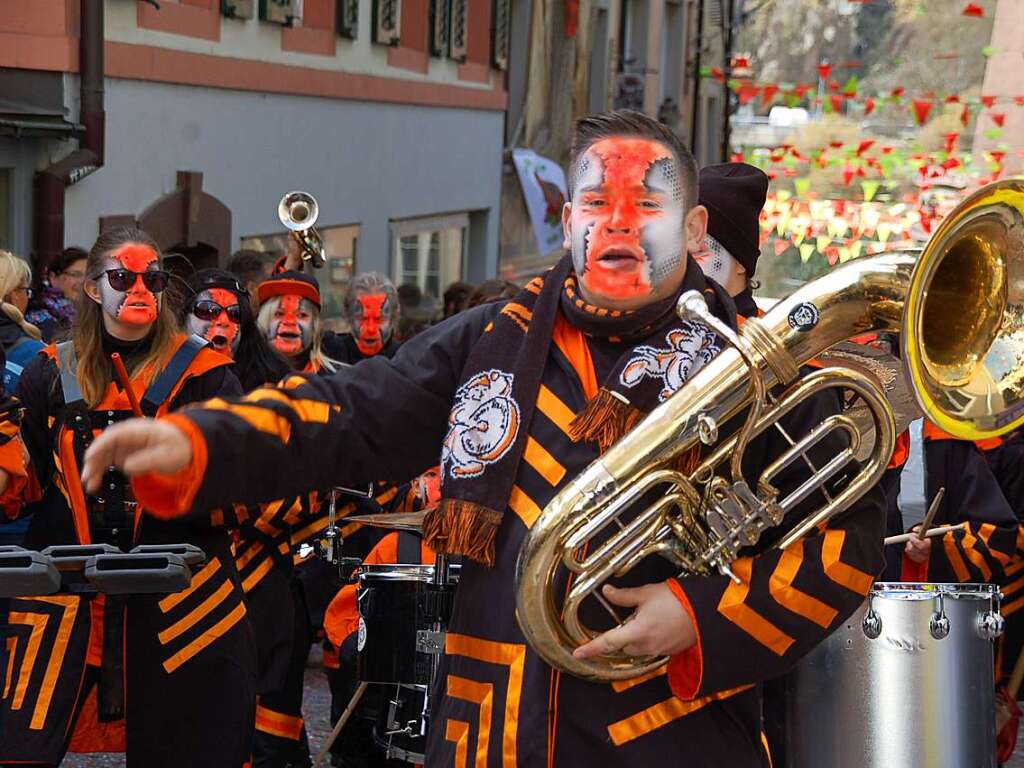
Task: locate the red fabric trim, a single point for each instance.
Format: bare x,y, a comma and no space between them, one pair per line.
12,461
932,432
166,497
911,571
901,452
686,669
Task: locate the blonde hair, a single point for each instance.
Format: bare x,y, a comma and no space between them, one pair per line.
316,354
15,273
93,371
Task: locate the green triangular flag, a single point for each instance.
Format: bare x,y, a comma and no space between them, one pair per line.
988,50
806,251
801,186
869,187
993,133
850,86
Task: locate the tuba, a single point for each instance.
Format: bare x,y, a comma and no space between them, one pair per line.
959,309
298,211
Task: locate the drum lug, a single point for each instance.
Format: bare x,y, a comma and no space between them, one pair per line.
872,622
938,625
990,625
429,641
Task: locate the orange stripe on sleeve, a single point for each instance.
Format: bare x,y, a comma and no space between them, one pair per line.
198,580
194,617
214,632
524,507
842,574
278,724
538,457
955,560
552,406
734,608
780,585
661,714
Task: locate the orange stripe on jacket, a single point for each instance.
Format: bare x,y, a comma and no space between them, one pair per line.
931,431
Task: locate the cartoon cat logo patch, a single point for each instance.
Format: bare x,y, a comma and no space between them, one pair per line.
482,426
690,348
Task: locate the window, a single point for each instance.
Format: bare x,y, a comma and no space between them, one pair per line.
6,236
340,244
429,254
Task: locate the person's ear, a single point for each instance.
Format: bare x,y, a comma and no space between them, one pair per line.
92,290
566,227
696,227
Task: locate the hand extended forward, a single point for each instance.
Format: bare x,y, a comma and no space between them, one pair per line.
136,447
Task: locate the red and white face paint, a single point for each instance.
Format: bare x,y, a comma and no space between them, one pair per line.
291,325
372,321
626,222
221,331
137,305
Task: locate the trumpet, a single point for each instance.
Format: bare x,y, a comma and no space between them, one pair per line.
298,212
959,309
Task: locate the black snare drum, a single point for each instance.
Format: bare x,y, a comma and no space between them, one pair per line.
401,728
401,615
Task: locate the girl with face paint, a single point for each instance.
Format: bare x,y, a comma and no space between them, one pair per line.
71,395
289,318
220,311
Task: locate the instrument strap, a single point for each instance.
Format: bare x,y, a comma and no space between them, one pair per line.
163,384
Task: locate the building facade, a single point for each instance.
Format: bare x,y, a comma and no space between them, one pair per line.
390,112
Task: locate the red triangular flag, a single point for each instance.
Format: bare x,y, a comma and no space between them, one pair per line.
921,109
736,157
768,93
965,115
572,17
781,246
988,101
833,85
836,100
953,99
973,9
1019,101
824,70
950,139
864,145
717,74
802,89
998,118
898,92
746,92
869,106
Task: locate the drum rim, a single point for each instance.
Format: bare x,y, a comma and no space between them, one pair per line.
909,590
401,572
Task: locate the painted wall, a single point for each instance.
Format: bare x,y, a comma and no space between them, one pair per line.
366,163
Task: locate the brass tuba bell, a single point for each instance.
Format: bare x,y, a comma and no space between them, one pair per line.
959,307
298,212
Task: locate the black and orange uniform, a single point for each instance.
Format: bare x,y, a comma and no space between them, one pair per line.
343,348
167,678
355,747
499,704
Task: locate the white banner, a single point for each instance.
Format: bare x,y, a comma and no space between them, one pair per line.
543,183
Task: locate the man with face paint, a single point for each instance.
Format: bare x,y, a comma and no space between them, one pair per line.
523,395
371,308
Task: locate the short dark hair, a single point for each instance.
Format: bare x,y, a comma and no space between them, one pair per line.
67,257
629,122
248,266
492,290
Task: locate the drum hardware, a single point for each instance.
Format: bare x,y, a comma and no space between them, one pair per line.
938,624
24,572
429,641
991,624
328,545
399,521
872,622
298,212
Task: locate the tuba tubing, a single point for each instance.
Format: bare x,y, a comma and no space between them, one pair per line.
863,296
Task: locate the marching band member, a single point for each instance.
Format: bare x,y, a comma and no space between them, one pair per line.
289,317
543,368
371,308
115,673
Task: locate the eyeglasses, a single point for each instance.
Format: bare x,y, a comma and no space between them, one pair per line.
74,274
123,279
210,311
26,289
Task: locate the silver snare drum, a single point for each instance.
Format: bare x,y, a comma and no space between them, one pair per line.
907,680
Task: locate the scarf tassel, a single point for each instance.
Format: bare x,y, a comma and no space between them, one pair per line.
460,527
606,418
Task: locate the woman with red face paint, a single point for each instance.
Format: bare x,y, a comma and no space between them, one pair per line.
167,678
289,318
371,308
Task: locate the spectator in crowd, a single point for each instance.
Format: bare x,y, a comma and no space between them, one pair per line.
455,297
52,309
20,338
491,290
251,268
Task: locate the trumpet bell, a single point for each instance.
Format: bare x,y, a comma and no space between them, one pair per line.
298,211
963,330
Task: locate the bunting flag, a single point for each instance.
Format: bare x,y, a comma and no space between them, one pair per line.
572,17
824,70
869,106
974,10
922,107
998,118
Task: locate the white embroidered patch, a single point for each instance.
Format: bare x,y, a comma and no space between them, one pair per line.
690,348
482,425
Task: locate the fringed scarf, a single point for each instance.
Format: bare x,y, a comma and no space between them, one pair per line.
493,407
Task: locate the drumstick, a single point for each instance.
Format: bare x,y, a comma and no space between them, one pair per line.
340,724
932,509
903,538
122,374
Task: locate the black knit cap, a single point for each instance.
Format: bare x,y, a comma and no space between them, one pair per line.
734,194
